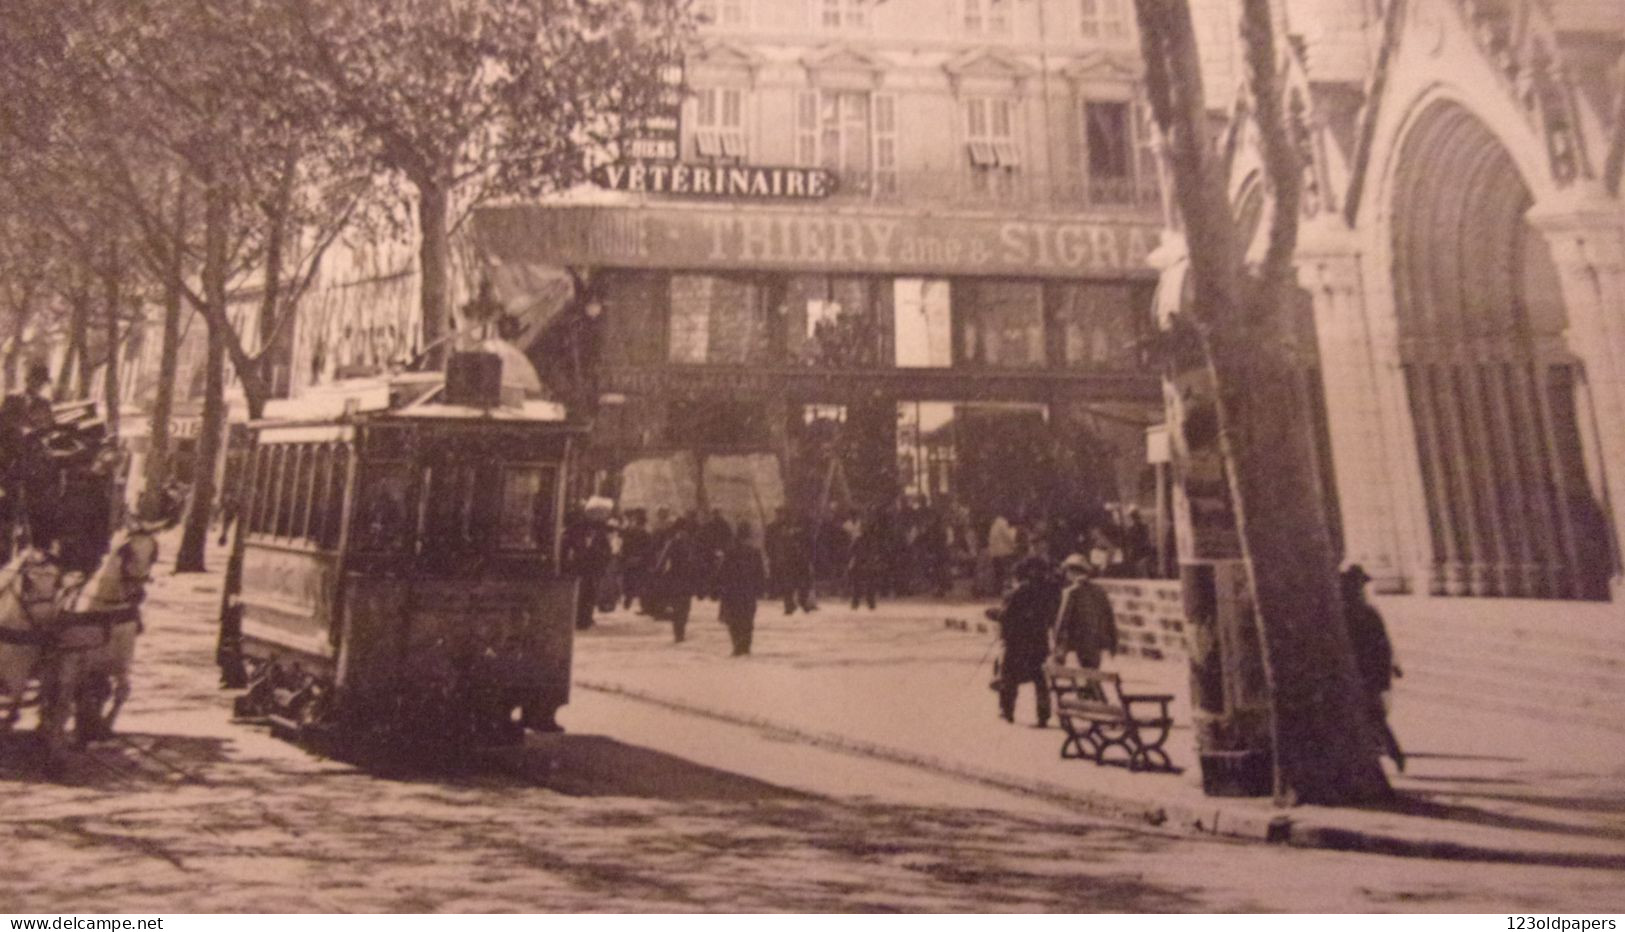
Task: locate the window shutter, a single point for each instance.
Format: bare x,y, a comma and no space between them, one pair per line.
1146,175
807,128
885,114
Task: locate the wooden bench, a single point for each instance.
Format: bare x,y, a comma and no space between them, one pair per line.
1096,715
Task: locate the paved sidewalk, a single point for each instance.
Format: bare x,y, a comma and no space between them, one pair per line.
909,683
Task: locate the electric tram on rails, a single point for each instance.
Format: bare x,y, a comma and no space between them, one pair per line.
400,568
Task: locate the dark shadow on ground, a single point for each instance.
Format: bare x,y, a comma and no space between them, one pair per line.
594,765
575,765
1424,755
124,761
1418,803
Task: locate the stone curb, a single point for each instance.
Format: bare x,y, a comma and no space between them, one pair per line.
1178,818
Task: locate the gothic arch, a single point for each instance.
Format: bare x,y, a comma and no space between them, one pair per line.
1488,376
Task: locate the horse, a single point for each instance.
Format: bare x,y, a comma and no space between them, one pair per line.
86,671
29,589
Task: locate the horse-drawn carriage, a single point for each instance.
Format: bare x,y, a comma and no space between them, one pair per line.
71,592
400,574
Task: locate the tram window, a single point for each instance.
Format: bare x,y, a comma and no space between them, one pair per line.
302,493
319,486
385,519
251,496
274,460
333,502
455,519
523,491
287,492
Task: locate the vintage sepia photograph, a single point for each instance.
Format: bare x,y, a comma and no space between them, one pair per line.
812,457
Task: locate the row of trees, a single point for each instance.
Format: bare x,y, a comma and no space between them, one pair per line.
197,154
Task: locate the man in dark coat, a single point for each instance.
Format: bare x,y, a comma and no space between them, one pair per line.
713,537
1085,625
24,418
793,565
867,565
677,575
635,555
1024,622
1373,657
587,554
742,578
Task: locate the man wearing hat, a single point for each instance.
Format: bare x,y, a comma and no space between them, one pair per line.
587,554
1373,657
1024,622
1085,625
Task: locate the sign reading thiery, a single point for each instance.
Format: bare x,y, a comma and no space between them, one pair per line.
695,237
729,181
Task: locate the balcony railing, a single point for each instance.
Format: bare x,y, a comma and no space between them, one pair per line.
994,189
999,189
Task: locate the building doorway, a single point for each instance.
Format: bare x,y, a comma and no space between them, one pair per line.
1496,395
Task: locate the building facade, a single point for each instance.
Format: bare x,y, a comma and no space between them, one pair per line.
1464,247
895,248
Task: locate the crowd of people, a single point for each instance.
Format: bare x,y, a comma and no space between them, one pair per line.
1051,608
660,563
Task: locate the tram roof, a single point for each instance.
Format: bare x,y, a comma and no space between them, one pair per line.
402,396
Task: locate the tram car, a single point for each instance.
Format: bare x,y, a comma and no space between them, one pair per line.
400,567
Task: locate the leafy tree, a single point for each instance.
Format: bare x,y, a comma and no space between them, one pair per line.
471,99
1240,319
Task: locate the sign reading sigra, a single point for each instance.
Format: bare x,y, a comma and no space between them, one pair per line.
721,181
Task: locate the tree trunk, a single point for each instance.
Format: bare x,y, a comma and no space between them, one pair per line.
271,299
110,379
434,260
14,352
163,405
216,220
1323,748
79,345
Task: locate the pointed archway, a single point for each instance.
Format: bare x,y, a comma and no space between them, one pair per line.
1489,376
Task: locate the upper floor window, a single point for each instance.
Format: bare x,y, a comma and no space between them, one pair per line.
722,12
853,133
844,14
1103,19
719,123
1118,159
990,133
991,17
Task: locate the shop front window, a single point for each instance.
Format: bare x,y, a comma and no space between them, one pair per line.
1001,323
718,320
1099,324
836,322
922,323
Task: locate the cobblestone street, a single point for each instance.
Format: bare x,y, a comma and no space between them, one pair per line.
638,808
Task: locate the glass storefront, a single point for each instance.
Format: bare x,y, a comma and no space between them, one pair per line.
869,322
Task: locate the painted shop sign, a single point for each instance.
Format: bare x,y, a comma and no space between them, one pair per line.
656,135
727,181
701,238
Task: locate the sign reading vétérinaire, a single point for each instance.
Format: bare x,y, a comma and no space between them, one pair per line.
724,181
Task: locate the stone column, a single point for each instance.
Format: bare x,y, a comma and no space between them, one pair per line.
1329,268
1585,229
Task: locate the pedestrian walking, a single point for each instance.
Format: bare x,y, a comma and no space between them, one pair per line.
793,567
1024,621
1373,658
1001,549
586,556
635,556
713,537
1085,625
677,576
743,579
867,563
